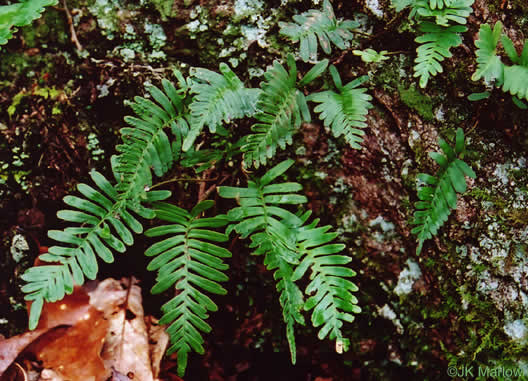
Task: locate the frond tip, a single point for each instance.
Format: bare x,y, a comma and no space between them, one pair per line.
438,194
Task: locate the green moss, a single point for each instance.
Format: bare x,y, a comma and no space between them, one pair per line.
419,102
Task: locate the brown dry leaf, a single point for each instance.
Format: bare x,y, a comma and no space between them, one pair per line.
126,349
11,348
158,343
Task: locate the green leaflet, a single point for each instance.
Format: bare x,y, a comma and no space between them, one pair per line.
313,28
344,111
20,14
438,194
191,261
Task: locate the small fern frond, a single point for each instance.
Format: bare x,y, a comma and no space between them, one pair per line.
489,64
438,194
344,112
104,225
516,80
146,146
435,44
333,301
218,98
322,26
454,11
20,14
190,260
281,110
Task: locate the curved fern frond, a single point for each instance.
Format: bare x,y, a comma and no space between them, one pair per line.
281,110
322,26
344,112
146,146
489,64
516,81
332,300
105,224
218,98
436,42
438,194
261,217
188,260
20,14
454,11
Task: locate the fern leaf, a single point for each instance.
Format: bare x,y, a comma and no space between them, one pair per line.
20,14
332,300
489,64
457,11
218,98
188,260
104,225
282,109
313,26
146,146
435,44
344,112
438,194
516,81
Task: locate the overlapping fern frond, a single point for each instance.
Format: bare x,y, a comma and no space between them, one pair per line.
218,98
445,12
344,112
313,26
190,260
285,240
281,110
20,14
104,225
438,194
146,146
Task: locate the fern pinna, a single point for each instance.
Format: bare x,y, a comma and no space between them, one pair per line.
188,260
291,247
438,194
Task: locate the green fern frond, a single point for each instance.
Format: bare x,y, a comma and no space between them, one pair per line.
218,98
20,14
344,112
262,217
332,300
435,44
438,194
489,64
450,11
188,260
146,146
516,80
281,110
104,224
322,26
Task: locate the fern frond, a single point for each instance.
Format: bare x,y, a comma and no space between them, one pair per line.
146,146
344,112
332,300
281,110
188,260
20,14
261,216
218,98
322,26
516,80
105,224
450,11
489,64
435,44
438,194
